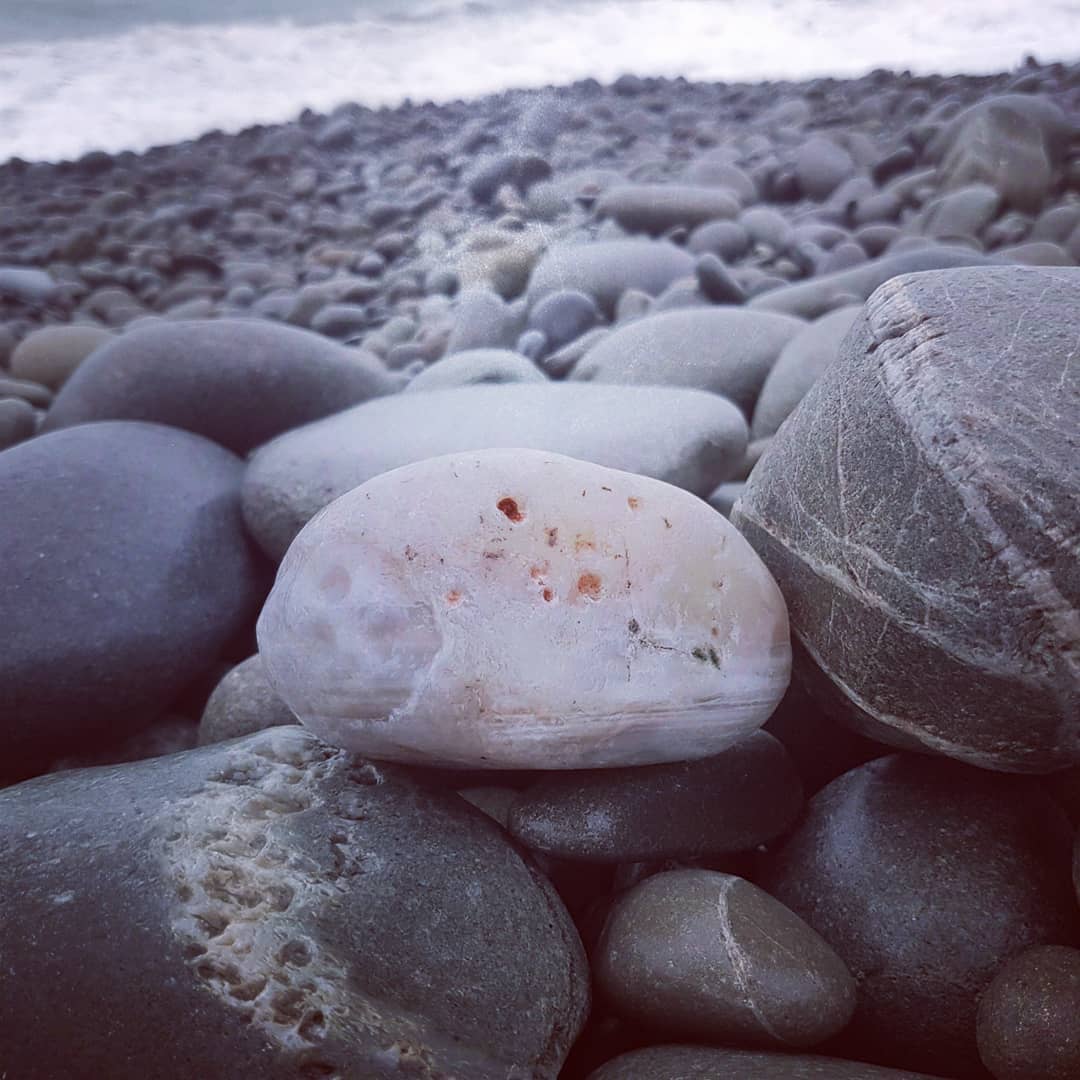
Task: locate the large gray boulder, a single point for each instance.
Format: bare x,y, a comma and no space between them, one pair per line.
685,437
239,382
126,572
273,907
728,351
920,509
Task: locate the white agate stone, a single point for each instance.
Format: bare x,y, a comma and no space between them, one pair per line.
520,609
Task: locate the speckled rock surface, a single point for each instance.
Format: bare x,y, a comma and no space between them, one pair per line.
283,899
520,609
917,512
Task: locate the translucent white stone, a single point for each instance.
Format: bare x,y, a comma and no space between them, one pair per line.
520,609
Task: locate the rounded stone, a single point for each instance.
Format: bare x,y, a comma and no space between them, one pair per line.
945,617
714,1063
278,895
563,317
18,421
242,703
734,801
822,166
624,427
701,954
520,609
239,382
925,875
605,269
50,355
655,208
1029,1017
798,367
477,366
727,351
728,239
126,573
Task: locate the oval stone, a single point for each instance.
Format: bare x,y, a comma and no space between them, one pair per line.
696,953
519,609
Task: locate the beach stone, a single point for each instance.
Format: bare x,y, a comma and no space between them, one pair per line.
725,496
605,269
126,573
1076,866
563,317
714,1063
842,257
521,609
962,213
49,356
1013,142
764,225
734,801
818,296
727,351
340,321
8,344
278,895
32,393
716,282
1028,1017
239,382
476,366
925,875
821,166
623,427
944,618
18,421
723,174
728,239
798,367
482,320
30,286
242,703
702,954
656,208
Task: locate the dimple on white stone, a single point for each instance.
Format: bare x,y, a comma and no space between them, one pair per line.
521,609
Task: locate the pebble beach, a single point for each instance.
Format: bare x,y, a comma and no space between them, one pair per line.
580,582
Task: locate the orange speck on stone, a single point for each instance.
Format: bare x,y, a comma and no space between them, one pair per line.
552,537
537,572
589,585
548,595
511,509
453,597
715,632
583,543
633,502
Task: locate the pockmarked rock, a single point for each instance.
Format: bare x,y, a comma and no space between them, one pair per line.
727,351
926,551
605,269
239,382
1029,1016
715,1063
126,571
701,954
925,876
623,427
740,798
520,609
277,895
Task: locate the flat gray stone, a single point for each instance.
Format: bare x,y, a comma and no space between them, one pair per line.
916,511
305,913
624,427
655,208
727,351
239,382
477,366
701,954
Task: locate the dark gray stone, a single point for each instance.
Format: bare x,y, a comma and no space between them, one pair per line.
701,954
728,351
563,317
961,214
235,381
242,703
943,614
18,421
624,427
726,495
731,802
713,1063
605,269
715,281
656,208
32,393
305,913
925,876
126,571
798,367
821,166
1029,1017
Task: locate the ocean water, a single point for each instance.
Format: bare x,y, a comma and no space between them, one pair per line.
78,75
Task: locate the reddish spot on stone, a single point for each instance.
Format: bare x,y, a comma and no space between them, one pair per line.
715,632
537,572
453,597
553,537
511,509
548,595
494,554
589,585
633,502
583,543
336,583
